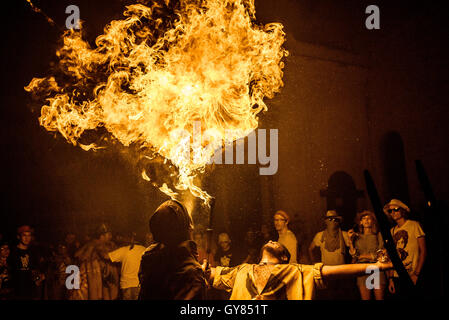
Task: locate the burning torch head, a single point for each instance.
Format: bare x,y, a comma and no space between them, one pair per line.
171,224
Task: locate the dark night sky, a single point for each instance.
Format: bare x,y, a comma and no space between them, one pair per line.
54,186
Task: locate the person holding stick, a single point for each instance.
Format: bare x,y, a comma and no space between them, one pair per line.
169,269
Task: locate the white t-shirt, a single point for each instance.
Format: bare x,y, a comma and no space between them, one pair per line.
406,240
331,258
130,260
288,239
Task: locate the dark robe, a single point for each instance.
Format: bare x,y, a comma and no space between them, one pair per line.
172,273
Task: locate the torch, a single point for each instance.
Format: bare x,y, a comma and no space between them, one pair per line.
209,231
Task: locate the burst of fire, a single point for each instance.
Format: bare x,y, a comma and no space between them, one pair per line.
160,69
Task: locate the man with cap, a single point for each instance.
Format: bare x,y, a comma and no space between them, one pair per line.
169,269
286,236
410,242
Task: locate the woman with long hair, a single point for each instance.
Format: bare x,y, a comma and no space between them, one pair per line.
366,244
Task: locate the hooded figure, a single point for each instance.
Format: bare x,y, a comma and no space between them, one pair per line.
169,269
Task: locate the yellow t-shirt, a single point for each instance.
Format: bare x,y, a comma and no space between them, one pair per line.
130,260
287,281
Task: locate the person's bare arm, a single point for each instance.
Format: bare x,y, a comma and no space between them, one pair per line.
421,258
351,235
352,269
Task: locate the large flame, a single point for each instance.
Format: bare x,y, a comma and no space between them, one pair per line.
162,68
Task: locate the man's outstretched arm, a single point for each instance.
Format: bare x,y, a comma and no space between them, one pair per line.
352,269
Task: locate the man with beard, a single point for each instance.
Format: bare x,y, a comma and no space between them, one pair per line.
275,279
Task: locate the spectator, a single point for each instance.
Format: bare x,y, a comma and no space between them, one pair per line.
253,242
57,275
5,283
410,243
266,231
169,269
286,236
199,238
26,276
71,243
333,243
226,255
129,256
102,276
365,245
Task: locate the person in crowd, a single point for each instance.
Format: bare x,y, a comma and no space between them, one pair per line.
366,244
274,278
285,235
267,233
200,239
169,268
111,270
71,243
253,243
129,256
333,244
5,271
226,255
57,275
102,276
410,241
26,274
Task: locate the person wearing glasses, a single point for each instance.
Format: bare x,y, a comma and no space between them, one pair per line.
332,241
286,236
410,241
333,244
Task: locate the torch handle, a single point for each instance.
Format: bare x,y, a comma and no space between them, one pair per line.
209,231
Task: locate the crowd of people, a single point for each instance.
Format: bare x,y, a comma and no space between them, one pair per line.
173,261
